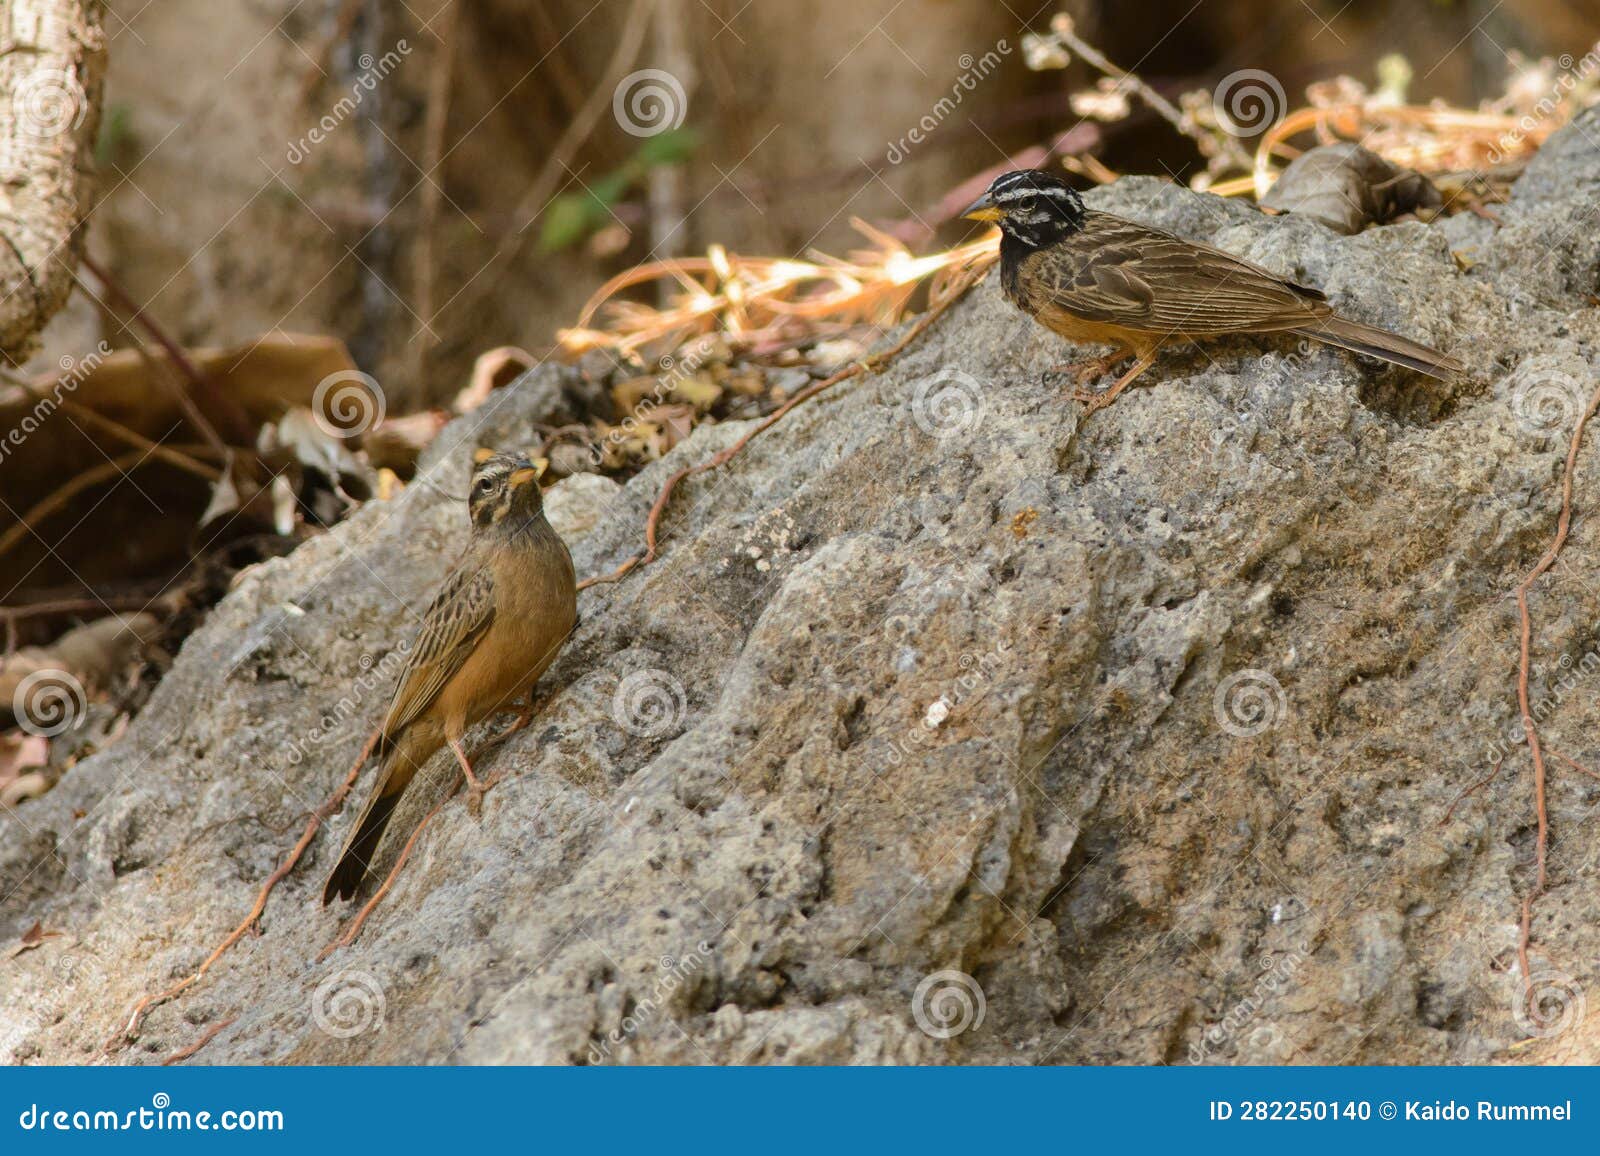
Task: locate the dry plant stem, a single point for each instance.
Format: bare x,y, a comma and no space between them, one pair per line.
1524,668
234,423
1474,789
135,438
163,373
874,362
1160,104
181,456
1563,528
211,1033
1575,764
629,42
13,614
440,83
150,1002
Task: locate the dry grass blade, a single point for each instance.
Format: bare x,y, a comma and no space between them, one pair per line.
761,299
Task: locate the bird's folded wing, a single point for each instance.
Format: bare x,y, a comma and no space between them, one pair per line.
459,617
1129,274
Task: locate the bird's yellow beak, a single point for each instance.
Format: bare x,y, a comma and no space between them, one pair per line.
982,209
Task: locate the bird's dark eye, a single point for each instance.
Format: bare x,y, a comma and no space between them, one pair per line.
1026,205
483,486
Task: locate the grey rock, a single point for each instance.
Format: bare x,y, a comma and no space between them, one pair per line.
1091,718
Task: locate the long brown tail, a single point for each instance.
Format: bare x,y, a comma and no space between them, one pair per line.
1385,346
351,868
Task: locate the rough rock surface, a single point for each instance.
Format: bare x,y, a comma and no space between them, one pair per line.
1149,725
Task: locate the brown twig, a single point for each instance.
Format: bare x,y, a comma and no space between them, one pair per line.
545,182
39,388
149,1003
440,82
1575,764
134,438
1061,28
232,424
1524,669
165,376
10,614
1525,665
1474,789
181,456
211,1033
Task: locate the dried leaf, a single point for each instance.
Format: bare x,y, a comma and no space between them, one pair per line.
78,664
301,436
25,787
1348,187
491,371
31,939
699,392
398,442
283,505
627,394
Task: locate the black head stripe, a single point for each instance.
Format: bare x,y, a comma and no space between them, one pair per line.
489,497
1036,207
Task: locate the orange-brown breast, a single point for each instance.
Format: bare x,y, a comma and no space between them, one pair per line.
535,610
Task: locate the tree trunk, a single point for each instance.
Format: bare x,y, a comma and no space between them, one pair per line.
52,66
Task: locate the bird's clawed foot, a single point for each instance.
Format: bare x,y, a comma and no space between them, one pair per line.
475,787
1092,399
1084,372
1098,399
524,717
